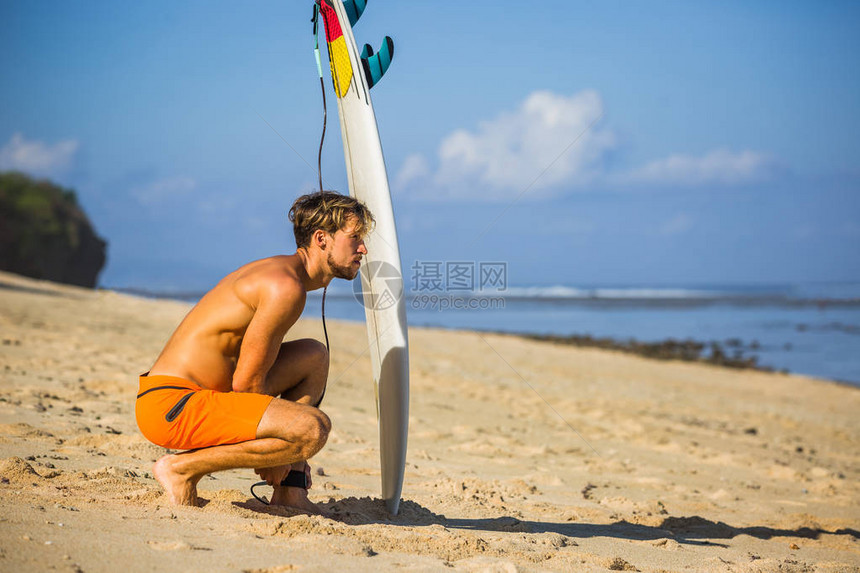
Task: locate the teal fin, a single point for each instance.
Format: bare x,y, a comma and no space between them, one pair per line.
375,65
354,9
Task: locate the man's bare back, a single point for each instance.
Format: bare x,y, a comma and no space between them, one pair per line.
207,345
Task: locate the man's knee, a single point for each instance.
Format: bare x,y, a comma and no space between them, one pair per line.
317,351
313,354
316,427
325,424
308,347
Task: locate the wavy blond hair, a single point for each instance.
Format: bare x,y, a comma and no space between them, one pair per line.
329,211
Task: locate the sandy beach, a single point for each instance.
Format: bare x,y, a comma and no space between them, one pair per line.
523,456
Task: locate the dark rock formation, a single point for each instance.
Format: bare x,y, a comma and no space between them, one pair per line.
45,234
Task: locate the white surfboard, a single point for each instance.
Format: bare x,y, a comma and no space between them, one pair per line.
353,74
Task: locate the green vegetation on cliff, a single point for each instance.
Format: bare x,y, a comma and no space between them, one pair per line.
45,234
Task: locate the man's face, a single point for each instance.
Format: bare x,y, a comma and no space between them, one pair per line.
344,257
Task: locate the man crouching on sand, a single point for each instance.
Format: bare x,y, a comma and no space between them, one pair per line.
228,389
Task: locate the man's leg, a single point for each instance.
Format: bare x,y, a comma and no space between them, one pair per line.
287,433
300,371
299,375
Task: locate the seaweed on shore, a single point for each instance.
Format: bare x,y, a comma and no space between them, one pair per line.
729,354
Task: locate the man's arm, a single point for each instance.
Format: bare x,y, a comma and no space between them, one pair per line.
279,307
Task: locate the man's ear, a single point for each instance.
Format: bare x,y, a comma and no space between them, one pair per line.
320,238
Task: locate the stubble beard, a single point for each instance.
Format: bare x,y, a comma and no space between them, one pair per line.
345,272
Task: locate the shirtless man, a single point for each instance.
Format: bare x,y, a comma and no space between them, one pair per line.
228,389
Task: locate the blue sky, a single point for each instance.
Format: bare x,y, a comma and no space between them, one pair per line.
705,142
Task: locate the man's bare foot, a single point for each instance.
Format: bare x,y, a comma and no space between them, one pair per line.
294,498
180,489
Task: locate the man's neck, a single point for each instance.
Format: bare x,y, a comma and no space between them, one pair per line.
314,272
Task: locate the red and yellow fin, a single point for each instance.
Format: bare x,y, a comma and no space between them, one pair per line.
341,67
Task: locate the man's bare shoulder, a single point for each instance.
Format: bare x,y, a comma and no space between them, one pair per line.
270,279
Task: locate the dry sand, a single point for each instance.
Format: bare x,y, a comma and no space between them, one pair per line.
523,456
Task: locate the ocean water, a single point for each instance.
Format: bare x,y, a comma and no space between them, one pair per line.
809,329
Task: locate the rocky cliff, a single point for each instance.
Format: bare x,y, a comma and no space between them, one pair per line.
45,234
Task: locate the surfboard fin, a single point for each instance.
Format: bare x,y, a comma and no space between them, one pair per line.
375,65
354,9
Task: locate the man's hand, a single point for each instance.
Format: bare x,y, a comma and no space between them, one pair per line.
274,476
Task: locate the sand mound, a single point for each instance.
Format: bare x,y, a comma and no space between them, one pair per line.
16,471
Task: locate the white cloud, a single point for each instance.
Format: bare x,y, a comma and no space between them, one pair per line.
549,141
415,167
163,190
509,152
37,158
720,166
553,144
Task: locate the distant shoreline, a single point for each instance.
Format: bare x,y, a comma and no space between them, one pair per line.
615,298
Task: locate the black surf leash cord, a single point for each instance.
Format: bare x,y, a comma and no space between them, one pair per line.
315,20
319,172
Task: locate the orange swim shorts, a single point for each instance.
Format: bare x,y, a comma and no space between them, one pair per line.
178,414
